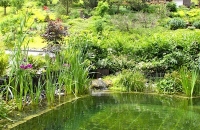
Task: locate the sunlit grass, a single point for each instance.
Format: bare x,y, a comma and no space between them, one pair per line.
37,42
195,1
8,11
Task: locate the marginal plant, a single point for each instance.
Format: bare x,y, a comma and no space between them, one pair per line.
78,81
132,80
49,82
3,62
170,83
19,75
188,80
4,110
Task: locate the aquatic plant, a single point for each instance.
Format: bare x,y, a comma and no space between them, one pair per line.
19,77
3,62
132,80
4,110
170,83
188,80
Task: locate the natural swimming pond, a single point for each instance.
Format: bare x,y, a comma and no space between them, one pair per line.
121,111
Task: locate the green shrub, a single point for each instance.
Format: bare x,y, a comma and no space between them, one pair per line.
171,6
99,26
90,3
196,24
117,63
177,23
123,22
74,14
93,51
101,8
170,83
60,10
36,61
138,5
132,80
3,62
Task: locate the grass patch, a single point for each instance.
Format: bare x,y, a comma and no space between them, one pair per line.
37,42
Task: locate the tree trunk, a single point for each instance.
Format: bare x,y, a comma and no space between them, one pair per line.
118,6
5,10
67,7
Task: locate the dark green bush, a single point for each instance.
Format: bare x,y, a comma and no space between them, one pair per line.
90,3
154,49
99,26
196,24
138,5
171,6
118,63
177,23
170,83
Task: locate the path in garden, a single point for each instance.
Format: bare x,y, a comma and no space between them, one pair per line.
34,52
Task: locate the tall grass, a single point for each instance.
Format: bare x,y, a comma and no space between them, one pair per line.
19,78
77,81
131,81
188,80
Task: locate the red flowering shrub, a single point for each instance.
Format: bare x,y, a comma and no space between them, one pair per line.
45,8
55,31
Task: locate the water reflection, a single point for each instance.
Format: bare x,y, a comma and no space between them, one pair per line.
121,112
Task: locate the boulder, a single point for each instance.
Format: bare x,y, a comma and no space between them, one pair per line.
100,84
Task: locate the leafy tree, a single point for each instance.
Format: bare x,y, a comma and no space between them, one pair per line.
17,4
90,3
45,2
4,4
67,4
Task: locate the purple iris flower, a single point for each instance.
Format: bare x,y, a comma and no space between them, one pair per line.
28,66
22,66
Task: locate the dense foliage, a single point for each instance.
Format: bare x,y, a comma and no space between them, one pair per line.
144,46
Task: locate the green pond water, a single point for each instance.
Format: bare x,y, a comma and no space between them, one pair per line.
120,111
